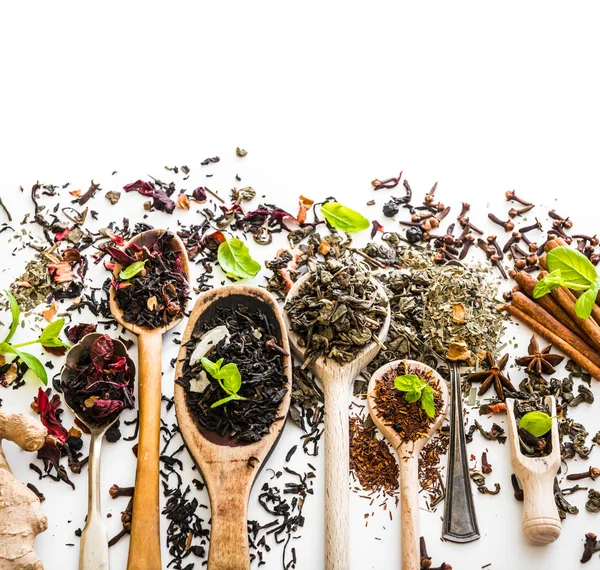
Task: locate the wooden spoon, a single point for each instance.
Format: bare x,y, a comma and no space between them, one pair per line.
408,455
337,379
144,546
93,549
541,523
229,468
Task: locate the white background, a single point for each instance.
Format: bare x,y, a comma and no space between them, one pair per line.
326,97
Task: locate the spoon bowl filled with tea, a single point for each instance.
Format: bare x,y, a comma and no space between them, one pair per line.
148,297
338,317
408,402
97,383
232,395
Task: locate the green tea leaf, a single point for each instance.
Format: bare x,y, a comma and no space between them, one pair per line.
30,360
427,401
132,270
49,336
344,218
585,303
235,260
549,283
15,311
575,268
536,423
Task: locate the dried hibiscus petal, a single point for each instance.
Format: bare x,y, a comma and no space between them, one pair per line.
49,410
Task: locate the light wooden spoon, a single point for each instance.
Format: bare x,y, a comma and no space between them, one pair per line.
229,468
541,523
337,379
408,456
93,550
144,546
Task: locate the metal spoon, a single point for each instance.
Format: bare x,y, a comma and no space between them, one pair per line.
408,455
93,550
336,379
144,546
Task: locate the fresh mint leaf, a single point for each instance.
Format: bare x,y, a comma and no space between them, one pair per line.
132,270
585,303
30,360
412,396
49,336
212,367
536,423
231,377
549,283
228,376
575,268
235,260
407,382
15,312
344,218
427,401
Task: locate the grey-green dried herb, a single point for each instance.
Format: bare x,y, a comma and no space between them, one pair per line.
113,197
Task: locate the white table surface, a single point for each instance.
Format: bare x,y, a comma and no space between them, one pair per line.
325,98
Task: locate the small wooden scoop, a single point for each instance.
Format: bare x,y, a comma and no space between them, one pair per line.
93,549
408,456
229,469
144,546
541,523
337,379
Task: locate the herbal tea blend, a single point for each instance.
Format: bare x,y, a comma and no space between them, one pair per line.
100,385
234,373
151,288
407,401
337,311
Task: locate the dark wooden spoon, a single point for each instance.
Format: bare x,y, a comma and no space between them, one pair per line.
144,546
229,469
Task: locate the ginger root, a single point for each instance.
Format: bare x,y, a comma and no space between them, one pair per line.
21,517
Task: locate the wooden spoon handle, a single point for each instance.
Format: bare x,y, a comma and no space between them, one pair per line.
541,523
409,508
229,548
144,547
337,468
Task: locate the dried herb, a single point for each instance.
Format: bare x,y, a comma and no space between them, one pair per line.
100,385
157,294
337,311
250,347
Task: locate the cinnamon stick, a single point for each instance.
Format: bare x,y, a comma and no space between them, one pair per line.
546,320
589,326
527,283
557,341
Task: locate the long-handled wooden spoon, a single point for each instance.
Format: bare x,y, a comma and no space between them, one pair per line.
337,379
408,456
93,549
229,469
541,523
144,546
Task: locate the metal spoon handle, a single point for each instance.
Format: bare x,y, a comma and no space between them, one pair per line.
460,522
93,552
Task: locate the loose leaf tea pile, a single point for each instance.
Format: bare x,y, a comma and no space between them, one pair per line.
337,311
253,345
100,385
409,419
154,294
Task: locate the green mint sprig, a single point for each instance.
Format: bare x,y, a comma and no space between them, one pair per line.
416,389
229,379
48,338
572,269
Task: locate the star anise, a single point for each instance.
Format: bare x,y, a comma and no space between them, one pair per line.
538,361
493,376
